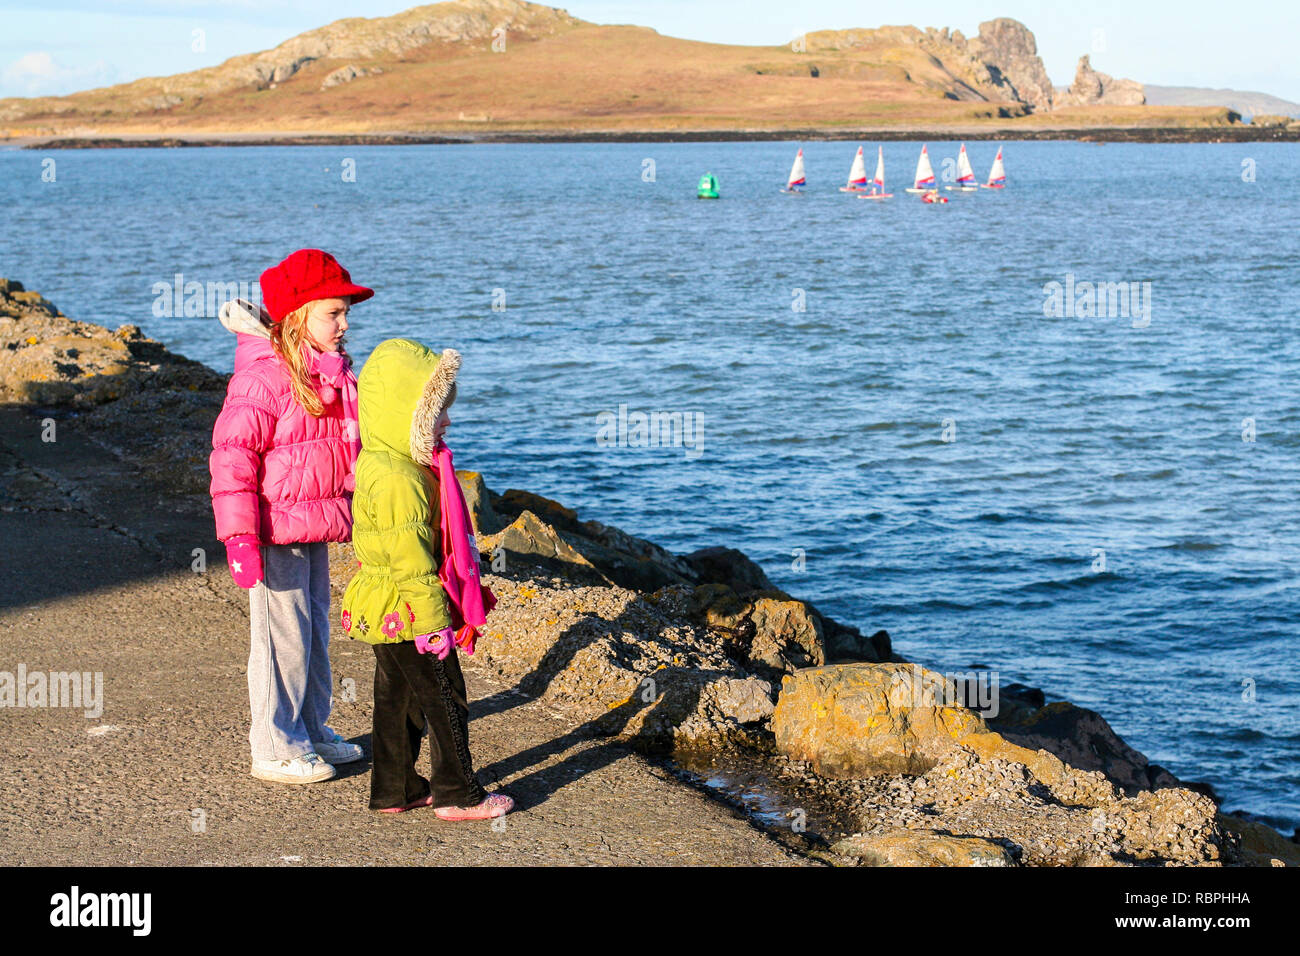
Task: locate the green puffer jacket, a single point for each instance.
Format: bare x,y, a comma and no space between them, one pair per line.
396,594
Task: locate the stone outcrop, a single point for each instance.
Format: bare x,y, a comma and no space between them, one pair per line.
346,74
1083,797
898,846
1043,814
355,38
863,719
1091,88
1000,65
1009,51
632,665
1083,739
856,720
545,529
50,359
1261,845
729,567
1272,120
727,576
764,630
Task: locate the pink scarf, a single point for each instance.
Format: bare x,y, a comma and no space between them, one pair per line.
468,599
334,369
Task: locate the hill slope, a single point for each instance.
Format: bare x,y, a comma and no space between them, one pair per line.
1245,102
508,65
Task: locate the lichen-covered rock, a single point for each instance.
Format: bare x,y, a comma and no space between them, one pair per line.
531,540
1065,817
855,720
862,719
630,561
618,557
745,700
47,358
899,846
767,631
787,635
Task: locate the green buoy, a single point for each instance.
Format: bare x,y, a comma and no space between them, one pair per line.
708,187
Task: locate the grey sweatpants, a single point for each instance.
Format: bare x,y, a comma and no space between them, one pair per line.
289,681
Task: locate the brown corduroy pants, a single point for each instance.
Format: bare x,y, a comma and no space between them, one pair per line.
412,689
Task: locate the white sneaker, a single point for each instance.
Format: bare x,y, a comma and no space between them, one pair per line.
309,768
337,750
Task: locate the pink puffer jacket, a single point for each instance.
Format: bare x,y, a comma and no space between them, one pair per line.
278,472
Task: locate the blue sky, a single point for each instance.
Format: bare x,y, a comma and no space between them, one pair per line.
58,46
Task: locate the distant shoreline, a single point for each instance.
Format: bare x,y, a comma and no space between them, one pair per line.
1242,134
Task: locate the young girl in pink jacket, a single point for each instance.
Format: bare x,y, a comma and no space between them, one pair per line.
283,456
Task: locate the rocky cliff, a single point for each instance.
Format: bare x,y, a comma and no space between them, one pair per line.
1008,50
999,65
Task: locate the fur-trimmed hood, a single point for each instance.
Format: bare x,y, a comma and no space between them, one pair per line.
242,316
404,388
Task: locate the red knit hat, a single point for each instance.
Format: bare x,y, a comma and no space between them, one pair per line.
303,277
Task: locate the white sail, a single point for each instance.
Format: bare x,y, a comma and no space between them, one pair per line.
858,174
965,175
997,175
796,172
878,181
924,172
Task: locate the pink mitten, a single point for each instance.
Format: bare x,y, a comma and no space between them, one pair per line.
245,557
440,643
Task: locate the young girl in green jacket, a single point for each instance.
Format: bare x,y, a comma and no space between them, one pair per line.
396,602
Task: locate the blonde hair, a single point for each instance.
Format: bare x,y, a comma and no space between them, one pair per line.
290,341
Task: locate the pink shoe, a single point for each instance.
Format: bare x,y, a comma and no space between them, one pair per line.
496,805
422,802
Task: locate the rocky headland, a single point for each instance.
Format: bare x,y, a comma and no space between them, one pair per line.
509,68
697,660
